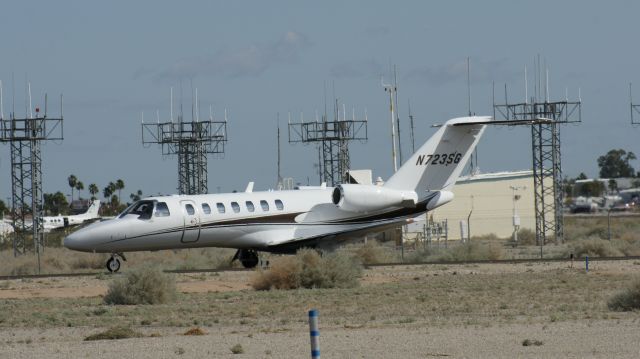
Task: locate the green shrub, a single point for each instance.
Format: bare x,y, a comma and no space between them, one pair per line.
526,237
594,248
142,286
307,269
529,342
627,300
115,333
373,253
237,349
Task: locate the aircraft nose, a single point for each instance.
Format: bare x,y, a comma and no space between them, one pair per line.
72,241
78,241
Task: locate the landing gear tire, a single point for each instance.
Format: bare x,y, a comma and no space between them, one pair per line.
113,264
248,258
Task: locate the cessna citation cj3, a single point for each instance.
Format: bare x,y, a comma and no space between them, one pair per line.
285,221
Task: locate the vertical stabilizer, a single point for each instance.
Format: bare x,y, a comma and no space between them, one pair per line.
438,163
92,212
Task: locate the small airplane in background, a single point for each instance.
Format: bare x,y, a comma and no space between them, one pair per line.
6,227
56,222
285,221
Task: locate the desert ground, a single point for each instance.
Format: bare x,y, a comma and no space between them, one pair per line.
418,311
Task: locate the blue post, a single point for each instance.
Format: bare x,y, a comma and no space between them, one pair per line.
314,333
586,262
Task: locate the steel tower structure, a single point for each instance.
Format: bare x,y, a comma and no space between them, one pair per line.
545,119
333,138
191,141
635,108
25,136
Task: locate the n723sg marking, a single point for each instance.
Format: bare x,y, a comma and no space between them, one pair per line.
439,159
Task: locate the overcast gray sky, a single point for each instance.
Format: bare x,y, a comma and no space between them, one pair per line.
115,59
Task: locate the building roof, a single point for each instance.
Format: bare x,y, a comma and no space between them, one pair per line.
495,176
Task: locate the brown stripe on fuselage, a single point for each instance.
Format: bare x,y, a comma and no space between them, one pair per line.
285,218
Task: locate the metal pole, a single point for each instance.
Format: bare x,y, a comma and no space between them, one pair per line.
609,224
586,263
391,89
314,333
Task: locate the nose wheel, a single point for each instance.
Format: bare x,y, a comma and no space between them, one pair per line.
113,264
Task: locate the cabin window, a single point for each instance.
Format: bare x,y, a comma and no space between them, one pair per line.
221,208
190,210
206,209
279,205
250,206
235,206
162,210
265,205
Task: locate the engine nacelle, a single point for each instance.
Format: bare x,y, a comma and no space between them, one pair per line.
370,198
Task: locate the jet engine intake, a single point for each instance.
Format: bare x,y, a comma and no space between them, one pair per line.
370,198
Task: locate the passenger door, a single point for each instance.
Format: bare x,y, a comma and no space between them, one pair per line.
191,224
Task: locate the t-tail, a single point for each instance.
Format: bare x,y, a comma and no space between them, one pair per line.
92,211
426,179
436,166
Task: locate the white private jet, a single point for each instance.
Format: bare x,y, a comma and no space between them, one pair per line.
285,221
56,222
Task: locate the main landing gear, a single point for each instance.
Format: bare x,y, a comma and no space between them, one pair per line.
113,264
248,257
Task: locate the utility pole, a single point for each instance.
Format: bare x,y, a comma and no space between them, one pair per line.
516,219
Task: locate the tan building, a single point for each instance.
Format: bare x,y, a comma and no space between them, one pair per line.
489,198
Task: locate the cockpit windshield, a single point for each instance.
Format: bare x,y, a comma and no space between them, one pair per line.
143,209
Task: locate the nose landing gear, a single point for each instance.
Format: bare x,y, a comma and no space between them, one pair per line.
113,264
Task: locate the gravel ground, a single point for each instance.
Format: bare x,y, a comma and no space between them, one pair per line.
617,337
594,339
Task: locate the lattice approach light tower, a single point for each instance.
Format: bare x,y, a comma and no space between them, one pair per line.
544,117
191,141
333,137
25,136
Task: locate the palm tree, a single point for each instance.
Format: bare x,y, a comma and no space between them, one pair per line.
119,187
79,187
112,189
136,196
107,192
93,189
73,180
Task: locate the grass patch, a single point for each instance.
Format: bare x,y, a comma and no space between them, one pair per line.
627,300
115,333
472,251
142,286
63,260
307,269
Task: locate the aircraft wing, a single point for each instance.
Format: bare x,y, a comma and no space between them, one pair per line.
333,240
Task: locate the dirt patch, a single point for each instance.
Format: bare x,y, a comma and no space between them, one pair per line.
90,287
